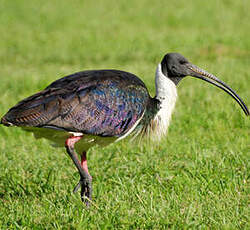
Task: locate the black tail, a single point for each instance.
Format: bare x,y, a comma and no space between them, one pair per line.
5,122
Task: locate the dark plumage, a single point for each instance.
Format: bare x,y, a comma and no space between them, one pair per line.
99,102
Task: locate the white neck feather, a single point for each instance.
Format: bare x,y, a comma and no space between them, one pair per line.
166,93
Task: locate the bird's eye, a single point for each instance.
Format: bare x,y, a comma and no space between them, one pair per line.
183,62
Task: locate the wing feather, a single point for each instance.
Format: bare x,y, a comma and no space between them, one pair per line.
104,103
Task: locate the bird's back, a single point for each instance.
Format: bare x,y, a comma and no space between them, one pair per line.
96,102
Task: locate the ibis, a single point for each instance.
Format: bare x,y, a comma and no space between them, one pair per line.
98,107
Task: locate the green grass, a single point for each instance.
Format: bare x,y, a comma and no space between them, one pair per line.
196,178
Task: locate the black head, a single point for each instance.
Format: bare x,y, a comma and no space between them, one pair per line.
176,67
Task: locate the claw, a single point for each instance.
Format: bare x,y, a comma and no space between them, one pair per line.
77,187
86,190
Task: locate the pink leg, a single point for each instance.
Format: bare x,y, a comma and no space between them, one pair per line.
85,179
70,142
84,163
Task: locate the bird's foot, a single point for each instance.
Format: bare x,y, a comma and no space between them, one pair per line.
86,190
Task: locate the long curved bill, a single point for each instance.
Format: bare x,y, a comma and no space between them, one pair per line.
208,77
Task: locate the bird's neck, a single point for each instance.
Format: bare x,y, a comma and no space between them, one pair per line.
155,121
166,93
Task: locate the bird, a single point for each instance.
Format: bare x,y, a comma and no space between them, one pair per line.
99,107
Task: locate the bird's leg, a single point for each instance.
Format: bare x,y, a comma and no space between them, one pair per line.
80,183
84,163
85,181
85,191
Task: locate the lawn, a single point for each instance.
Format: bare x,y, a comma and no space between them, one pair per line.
197,177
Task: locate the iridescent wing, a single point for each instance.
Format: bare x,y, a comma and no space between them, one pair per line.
99,102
